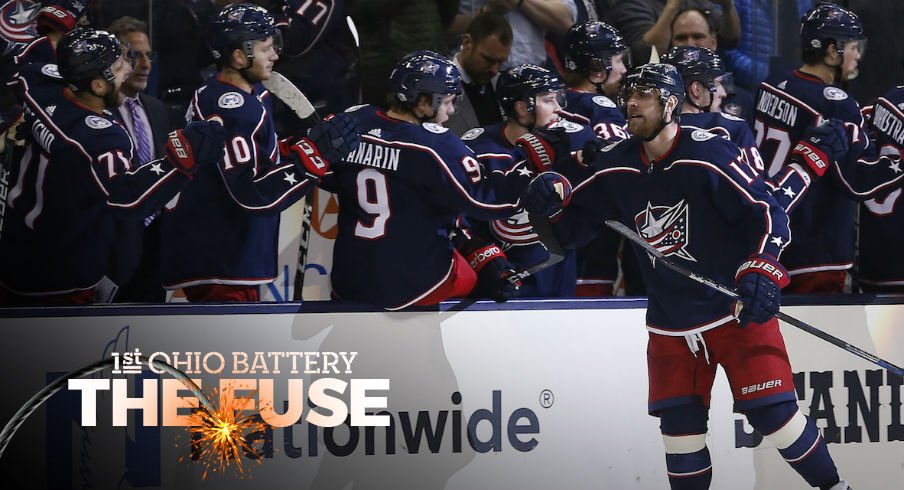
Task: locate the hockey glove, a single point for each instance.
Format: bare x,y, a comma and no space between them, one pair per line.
546,195
305,156
493,270
336,137
760,280
199,143
820,146
590,154
544,147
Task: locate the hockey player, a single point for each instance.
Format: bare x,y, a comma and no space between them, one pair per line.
706,82
79,168
231,211
401,194
687,193
531,97
832,42
55,19
597,60
881,232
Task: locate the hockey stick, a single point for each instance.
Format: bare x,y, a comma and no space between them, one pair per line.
548,239
806,327
289,94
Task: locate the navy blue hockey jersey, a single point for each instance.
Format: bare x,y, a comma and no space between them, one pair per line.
882,219
700,205
823,224
77,172
400,194
515,234
229,215
788,186
597,262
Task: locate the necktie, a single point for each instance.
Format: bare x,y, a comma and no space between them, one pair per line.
141,133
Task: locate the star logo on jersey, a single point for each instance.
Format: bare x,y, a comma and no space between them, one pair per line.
157,169
525,172
895,166
16,21
788,191
290,178
666,229
777,241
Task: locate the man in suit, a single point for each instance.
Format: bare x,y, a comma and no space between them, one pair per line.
484,48
137,262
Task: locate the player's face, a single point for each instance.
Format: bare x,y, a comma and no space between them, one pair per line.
121,69
446,108
644,111
853,52
141,49
265,55
718,96
547,107
481,61
691,29
617,74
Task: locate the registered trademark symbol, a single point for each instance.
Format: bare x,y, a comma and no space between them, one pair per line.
547,398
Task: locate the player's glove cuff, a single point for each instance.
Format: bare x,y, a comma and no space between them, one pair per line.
766,265
543,147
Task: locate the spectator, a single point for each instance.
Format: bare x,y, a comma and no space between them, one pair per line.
694,27
484,48
648,23
530,20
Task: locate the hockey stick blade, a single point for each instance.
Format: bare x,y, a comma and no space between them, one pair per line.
548,238
286,91
806,327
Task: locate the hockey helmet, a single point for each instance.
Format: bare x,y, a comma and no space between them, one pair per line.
424,72
827,23
85,54
590,46
660,76
524,83
697,64
237,26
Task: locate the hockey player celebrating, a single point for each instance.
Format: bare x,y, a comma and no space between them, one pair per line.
832,42
597,60
401,194
231,211
78,170
689,195
531,98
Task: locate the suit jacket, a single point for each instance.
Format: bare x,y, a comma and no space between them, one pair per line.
135,265
158,118
464,118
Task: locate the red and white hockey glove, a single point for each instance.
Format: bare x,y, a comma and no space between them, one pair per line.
199,143
760,280
821,146
493,270
305,156
544,147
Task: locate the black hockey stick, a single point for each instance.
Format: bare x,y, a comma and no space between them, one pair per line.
806,327
289,94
